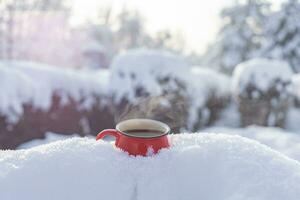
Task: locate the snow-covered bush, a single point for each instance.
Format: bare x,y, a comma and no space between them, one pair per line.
143,72
208,93
261,90
160,85
197,166
240,35
295,89
146,82
36,98
282,34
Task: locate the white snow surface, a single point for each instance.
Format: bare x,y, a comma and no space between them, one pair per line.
197,166
260,72
142,68
279,139
49,138
35,83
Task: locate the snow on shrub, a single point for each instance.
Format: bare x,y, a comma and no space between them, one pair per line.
35,84
146,80
142,72
197,166
261,89
295,88
16,89
262,74
208,92
36,98
160,85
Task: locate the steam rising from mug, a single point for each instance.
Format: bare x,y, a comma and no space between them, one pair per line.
170,109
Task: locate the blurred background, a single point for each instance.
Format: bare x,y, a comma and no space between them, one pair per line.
75,67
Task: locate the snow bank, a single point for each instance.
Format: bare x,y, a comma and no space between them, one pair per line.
293,117
261,73
35,83
295,89
49,137
142,68
206,166
203,85
279,139
229,117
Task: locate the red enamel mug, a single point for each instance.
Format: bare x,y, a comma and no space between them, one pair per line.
139,136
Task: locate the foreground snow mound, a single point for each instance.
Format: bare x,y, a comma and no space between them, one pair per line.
205,166
279,139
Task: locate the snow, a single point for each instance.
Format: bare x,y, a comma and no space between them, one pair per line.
35,83
239,36
295,86
94,46
204,81
292,122
281,34
279,139
203,84
262,73
141,68
197,166
229,117
49,138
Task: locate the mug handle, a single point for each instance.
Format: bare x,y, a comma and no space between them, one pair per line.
111,132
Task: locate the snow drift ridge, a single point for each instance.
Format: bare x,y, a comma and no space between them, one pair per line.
206,166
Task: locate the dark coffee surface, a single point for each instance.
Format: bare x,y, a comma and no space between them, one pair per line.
143,133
